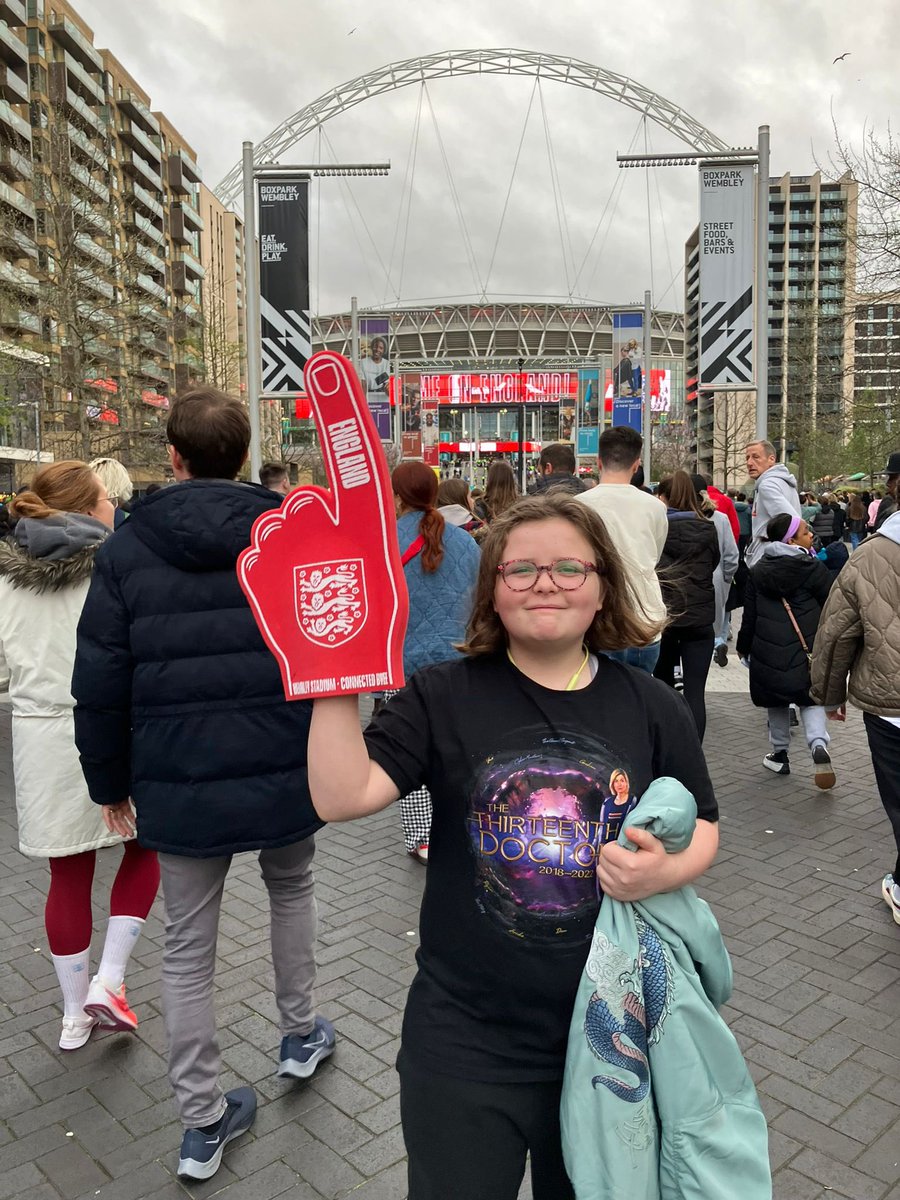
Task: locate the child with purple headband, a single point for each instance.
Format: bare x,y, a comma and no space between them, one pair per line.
786,591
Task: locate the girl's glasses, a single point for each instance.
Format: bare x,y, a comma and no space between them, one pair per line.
520,574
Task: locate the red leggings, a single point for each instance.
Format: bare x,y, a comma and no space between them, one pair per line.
68,917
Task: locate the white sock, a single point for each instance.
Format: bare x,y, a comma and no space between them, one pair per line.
121,935
73,973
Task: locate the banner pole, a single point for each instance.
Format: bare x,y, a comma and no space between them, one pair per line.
354,334
254,350
762,286
645,389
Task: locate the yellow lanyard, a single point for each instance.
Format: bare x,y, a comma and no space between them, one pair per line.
570,686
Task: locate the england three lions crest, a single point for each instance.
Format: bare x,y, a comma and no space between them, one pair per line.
330,599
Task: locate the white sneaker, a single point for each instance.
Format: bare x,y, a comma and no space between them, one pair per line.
109,1007
76,1031
890,890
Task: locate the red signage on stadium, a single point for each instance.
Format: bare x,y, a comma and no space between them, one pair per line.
501,387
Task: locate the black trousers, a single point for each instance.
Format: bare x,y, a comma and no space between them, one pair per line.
884,745
693,648
468,1140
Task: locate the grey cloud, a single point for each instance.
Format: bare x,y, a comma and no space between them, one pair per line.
229,70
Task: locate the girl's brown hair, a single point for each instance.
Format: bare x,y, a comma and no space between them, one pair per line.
500,490
67,486
620,623
856,510
678,489
453,491
416,487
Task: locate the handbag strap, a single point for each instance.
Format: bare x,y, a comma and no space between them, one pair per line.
790,613
412,550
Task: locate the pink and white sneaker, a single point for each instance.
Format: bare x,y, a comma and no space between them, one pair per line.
109,1007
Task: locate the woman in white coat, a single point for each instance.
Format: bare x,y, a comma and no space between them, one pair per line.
45,569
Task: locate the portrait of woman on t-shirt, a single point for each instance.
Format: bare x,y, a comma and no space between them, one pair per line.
617,805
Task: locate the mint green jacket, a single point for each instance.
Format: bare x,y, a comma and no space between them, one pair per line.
657,1102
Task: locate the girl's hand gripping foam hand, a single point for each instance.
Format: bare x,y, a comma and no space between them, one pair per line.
322,573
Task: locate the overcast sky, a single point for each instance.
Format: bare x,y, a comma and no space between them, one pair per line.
226,70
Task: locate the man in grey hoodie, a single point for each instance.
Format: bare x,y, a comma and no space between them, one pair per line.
776,492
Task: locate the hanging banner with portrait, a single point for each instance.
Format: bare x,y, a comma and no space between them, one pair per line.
628,368
285,330
375,371
727,198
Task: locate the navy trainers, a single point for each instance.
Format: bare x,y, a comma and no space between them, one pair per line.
301,1055
201,1151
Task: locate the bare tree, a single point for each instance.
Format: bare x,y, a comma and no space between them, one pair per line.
875,164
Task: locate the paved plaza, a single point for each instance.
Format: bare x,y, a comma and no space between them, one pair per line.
795,888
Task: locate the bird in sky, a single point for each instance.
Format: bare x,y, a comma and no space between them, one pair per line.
353,30
841,57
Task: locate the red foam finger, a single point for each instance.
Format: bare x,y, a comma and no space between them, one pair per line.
323,574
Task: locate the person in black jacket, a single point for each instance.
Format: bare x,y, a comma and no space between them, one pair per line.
787,585
179,706
557,467
689,559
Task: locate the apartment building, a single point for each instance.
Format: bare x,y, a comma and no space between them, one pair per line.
811,315
100,260
222,249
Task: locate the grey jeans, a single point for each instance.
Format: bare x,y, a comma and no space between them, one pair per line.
192,890
815,726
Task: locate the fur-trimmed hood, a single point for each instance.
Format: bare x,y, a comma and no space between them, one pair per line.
41,574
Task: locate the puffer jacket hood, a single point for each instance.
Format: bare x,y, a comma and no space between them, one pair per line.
59,537
201,524
782,571
891,528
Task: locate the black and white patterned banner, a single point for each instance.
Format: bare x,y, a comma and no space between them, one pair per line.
284,283
726,274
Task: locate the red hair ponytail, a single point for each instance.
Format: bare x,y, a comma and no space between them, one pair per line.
416,486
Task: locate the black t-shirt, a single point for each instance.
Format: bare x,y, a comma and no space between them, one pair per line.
521,781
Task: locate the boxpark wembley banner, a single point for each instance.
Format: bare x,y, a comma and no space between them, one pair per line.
284,283
726,274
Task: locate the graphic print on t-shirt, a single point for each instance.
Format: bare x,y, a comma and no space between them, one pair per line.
535,820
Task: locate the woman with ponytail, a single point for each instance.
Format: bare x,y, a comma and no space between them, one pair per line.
440,563
45,570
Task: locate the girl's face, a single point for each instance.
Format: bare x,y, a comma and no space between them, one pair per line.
620,786
546,614
803,537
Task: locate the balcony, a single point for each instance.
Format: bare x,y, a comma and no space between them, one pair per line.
188,322
13,49
151,370
192,265
14,121
96,120
182,283
15,277
143,228
17,319
149,340
80,139
156,264
90,217
184,224
13,12
132,133
138,195
18,244
17,201
92,90
133,164
148,315
71,38
12,86
86,179
14,164
100,286
89,247
146,284
134,107
183,172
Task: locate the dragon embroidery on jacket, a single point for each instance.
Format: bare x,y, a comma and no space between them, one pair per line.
631,1000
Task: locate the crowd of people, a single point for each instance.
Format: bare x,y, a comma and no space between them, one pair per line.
557,655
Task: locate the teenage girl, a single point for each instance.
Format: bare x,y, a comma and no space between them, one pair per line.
517,741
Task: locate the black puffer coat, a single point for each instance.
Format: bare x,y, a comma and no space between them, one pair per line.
179,703
685,569
779,671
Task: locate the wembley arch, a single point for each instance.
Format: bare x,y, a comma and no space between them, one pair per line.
466,63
